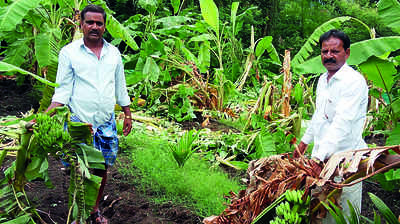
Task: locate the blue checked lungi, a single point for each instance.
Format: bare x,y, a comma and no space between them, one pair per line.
105,139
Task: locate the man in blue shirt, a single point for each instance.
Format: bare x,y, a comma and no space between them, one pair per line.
91,81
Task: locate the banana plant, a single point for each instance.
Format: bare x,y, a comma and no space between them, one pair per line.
210,14
257,49
48,137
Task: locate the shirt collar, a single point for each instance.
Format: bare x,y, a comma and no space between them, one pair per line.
104,49
82,44
339,74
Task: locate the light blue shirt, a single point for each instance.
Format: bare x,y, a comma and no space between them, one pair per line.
338,121
90,86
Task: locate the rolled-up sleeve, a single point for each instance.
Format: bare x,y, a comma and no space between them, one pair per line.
121,92
64,78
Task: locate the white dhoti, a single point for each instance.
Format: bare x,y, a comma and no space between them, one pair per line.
352,194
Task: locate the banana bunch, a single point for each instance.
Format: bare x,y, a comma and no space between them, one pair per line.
50,133
285,214
295,197
293,210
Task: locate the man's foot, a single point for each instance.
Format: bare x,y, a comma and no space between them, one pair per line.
97,218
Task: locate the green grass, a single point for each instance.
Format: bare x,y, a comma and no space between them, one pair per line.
195,185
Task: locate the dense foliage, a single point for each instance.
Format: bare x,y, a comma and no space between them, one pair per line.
251,65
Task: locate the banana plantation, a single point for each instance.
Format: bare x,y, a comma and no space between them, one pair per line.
222,93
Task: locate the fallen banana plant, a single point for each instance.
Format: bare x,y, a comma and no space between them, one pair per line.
269,178
34,143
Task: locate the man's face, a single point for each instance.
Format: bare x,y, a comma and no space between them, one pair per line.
93,26
333,55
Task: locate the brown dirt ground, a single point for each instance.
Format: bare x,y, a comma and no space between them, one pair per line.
123,203
16,99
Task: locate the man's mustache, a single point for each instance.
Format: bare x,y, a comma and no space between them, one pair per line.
330,60
94,32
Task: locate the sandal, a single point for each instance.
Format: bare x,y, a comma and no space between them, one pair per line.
97,218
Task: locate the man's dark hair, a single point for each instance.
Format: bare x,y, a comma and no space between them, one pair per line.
93,8
337,34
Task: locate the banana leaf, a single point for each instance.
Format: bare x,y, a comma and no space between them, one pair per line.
209,11
266,44
380,72
13,14
389,14
5,67
118,31
17,51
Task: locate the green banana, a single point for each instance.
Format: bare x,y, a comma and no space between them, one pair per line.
299,220
287,207
296,219
296,197
288,195
279,210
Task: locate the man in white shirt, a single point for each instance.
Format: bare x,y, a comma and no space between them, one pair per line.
341,106
91,81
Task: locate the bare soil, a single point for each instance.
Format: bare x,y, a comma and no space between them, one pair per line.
16,99
122,202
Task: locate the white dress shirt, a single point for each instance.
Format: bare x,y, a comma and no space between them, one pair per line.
338,121
90,86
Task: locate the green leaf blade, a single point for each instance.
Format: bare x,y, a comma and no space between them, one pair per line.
266,44
149,5
175,5
117,30
46,48
151,69
383,209
234,9
13,14
209,11
5,67
389,14
380,72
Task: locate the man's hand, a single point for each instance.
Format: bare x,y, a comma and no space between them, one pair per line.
29,125
300,150
127,125
127,120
